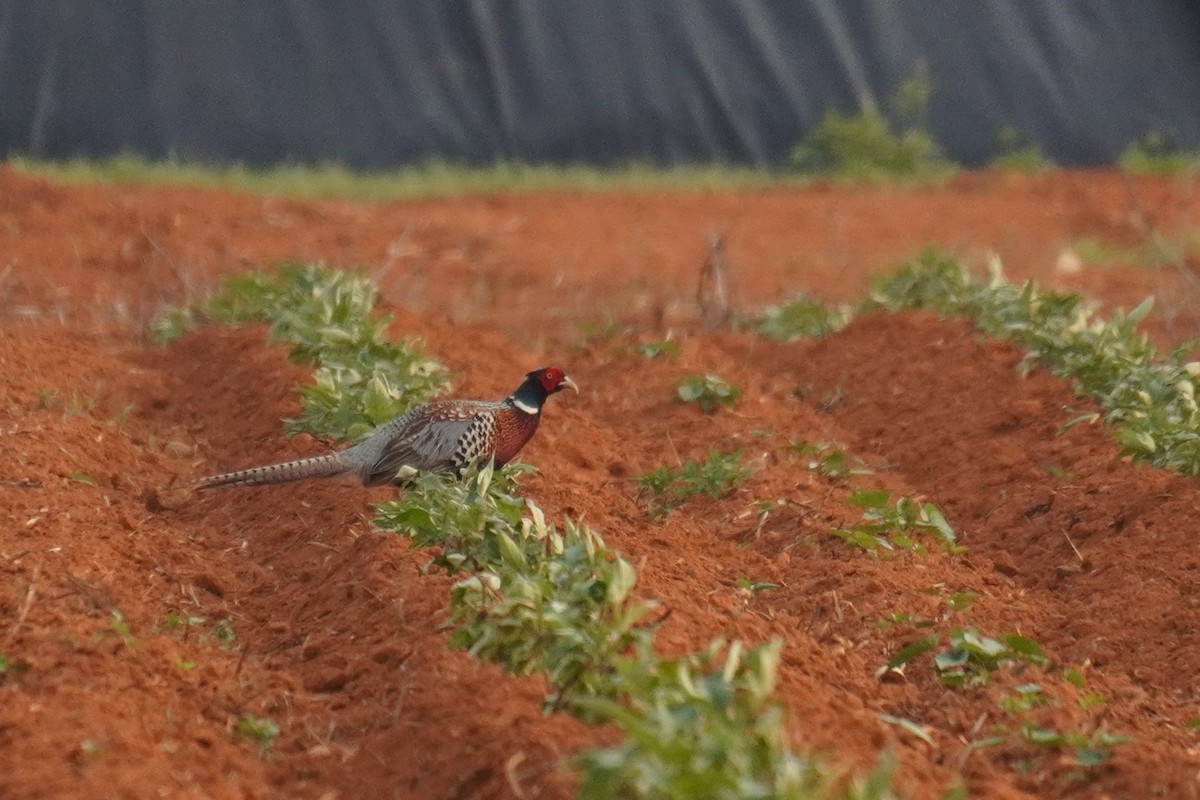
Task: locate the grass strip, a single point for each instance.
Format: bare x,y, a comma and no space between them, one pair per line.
432,179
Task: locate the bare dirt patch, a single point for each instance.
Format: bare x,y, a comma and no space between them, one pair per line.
141,624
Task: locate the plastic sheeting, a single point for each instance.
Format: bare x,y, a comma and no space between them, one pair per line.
377,83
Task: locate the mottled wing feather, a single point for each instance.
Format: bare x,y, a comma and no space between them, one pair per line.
426,442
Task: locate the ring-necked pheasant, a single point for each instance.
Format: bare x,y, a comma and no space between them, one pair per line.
440,436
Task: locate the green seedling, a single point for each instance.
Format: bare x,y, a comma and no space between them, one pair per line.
1017,154
665,489
708,391
9,665
829,459
664,348
970,657
1153,154
257,729
224,633
754,587
892,526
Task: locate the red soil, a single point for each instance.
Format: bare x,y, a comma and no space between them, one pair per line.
337,629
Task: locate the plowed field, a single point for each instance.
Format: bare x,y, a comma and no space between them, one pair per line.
301,613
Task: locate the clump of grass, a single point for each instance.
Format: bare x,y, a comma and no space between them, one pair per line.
665,489
433,178
262,730
663,348
1154,154
869,146
802,317
1017,154
709,392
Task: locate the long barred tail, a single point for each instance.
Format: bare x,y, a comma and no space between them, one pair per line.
325,466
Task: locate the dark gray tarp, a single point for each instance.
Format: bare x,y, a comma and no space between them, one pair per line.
379,83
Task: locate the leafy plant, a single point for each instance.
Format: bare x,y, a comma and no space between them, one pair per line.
867,146
895,525
970,657
687,720
1024,698
172,324
1091,750
9,665
1017,154
802,317
223,631
707,391
177,620
829,460
663,348
257,729
666,489
537,599
118,625
1154,154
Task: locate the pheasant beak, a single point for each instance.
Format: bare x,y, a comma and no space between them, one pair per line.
567,382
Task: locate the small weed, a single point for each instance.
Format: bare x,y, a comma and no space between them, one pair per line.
1156,251
597,333
899,618
79,476
666,489
920,731
257,729
1091,750
708,391
49,400
176,620
92,748
972,657
664,348
172,324
122,416
802,317
224,633
829,460
1154,154
1017,154
9,666
960,602
868,146
754,587
893,526
1024,698
120,627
